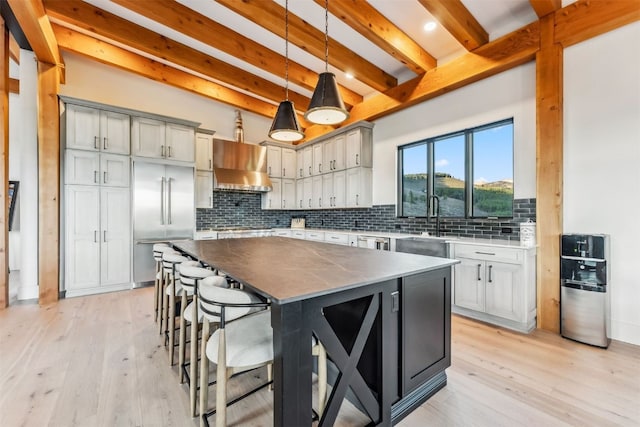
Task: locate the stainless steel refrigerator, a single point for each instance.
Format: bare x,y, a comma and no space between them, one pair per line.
163,209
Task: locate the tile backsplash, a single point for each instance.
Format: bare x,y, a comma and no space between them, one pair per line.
238,209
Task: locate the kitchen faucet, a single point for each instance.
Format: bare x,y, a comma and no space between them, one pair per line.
437,208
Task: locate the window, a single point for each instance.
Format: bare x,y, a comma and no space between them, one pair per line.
470,172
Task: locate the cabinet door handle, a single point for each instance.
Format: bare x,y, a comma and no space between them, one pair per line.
319,167
209,163
319,201
210,201
169,148
96,142
479,278
490,279
357,199
357,159
104,143
269,203
309,202
95,177
162,150
309,170
300,172
284,172
95,236
104,176
104,236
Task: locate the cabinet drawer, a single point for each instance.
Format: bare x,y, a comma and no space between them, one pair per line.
315,235
282,233
489,253
298,234
337,238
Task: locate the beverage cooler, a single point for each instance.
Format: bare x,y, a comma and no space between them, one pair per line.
585,289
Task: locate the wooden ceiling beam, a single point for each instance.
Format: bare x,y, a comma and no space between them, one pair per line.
584,19
456,18
90,18
370,23
270,15
105,53
34,22
14,49
499,55
14,86
199,27
545,7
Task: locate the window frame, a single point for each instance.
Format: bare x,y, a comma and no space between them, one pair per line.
468,170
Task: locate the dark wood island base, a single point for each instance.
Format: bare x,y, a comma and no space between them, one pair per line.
383,317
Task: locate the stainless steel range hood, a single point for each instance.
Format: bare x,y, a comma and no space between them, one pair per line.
239,166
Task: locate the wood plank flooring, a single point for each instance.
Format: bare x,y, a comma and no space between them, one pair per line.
99,361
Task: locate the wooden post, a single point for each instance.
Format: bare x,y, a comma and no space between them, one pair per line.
4,167
549,125
48,182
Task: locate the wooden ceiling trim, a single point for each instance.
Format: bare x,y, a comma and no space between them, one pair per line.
4,165
584,19
370,23
105,53
545,7
199,27
14,49
105,24
499,55
270,15
456,18
33,21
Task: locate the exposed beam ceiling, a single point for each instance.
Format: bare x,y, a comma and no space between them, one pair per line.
457,19
545,7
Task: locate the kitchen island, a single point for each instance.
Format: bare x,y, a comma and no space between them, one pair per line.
383,317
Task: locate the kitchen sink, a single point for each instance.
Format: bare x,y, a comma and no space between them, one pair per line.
431,246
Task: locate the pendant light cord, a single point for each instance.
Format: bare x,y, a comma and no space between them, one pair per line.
286,51
326,35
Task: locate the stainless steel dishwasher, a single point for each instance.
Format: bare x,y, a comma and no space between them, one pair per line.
584,289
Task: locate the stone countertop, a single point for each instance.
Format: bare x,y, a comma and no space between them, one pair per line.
355,232
288,270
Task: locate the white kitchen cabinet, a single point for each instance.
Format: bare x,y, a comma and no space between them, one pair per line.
307,193
334,189
337,238
316,236
495,284
161,140
94,129
318,166
300,164
273,199
204,189
334,153
307,161
274,161
298,234
98,241
316,191
93,168
358,189
204,151
300,199
288,163
288,193
282,232
359,148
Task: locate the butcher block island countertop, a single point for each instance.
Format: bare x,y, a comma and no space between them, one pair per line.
383,317
288,269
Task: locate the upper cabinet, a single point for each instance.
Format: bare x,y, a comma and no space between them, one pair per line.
289,159
334,153
162,140
97,130
274,161
204,151
359,148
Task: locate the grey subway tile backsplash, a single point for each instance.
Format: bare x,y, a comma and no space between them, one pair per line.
237,209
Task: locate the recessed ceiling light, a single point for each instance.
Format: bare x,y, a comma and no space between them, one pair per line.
430,26
348,75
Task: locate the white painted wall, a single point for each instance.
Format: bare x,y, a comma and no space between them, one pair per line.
602,160
509,94
90,80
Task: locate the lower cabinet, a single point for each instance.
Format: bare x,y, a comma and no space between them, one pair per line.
98,241
496,284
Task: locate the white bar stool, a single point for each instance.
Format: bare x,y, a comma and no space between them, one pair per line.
158,249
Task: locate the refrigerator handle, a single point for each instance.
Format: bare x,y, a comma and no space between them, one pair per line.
162,201
169,200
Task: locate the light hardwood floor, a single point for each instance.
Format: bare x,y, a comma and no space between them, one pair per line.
98,361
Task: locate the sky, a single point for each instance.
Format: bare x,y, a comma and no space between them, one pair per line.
493,152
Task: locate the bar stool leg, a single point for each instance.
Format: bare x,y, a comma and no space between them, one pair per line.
204,371
183,336
172,319
193,357
156,287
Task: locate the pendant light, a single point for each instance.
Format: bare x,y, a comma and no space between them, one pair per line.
285,126
326,107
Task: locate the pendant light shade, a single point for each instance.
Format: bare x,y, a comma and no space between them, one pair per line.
285,125
326,107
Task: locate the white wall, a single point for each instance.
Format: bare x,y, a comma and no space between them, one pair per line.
509,94
602,160
90,80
